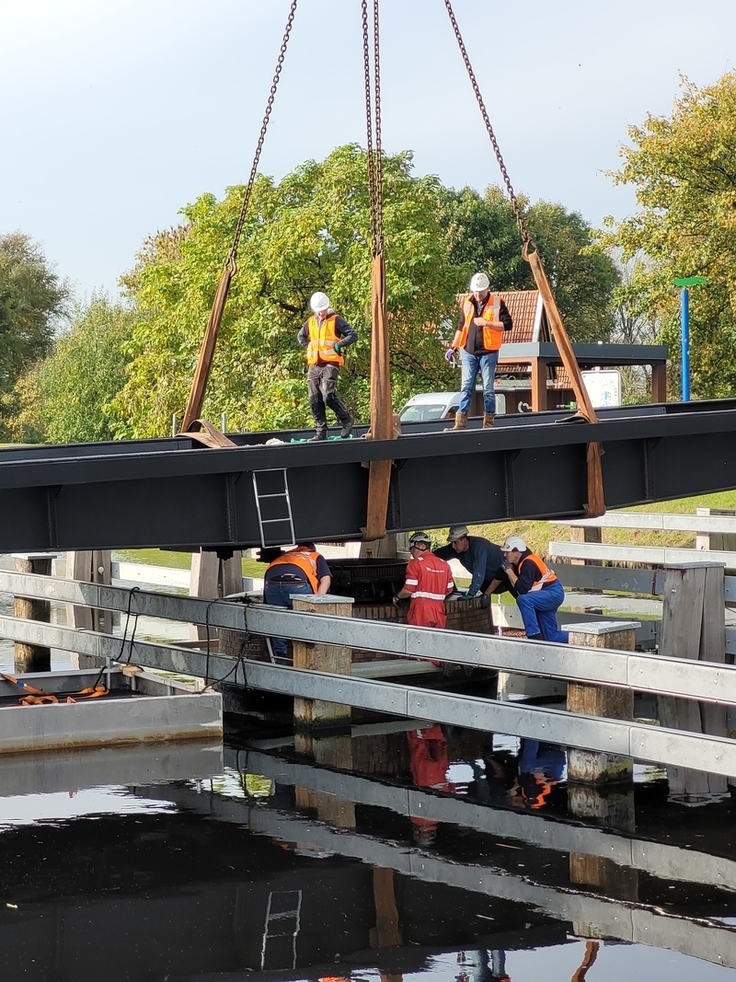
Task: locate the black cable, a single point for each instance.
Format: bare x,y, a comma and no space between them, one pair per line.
134,589
240,660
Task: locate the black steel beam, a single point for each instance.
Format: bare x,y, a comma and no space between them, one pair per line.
173,493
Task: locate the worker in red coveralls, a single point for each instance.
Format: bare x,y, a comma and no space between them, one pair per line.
429,763
428,582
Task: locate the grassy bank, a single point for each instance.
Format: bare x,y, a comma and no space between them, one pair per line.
537,535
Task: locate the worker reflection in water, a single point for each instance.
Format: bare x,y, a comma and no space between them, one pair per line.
485,318
482,965
541,768
325,336
429,764
428,582
538,592
480,557
301,570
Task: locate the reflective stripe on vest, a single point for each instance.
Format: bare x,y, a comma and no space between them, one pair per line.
322,339
306,561
548,575
492,336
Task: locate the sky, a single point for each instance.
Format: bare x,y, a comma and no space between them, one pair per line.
115,114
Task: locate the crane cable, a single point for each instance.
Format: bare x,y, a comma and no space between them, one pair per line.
595,504
207,350
382,418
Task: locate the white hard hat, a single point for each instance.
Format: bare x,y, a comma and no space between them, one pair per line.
319,301
513,542
479,282
457,532
418,537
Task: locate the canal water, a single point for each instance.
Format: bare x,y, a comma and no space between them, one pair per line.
395,850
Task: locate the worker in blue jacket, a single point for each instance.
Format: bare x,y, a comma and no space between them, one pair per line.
480,557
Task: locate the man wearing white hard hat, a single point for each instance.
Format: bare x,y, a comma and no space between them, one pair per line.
538,592
485,318
325,336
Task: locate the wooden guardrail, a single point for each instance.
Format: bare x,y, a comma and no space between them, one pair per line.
590,584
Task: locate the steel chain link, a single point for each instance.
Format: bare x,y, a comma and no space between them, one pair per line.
231,261
378,165
373,124
525,236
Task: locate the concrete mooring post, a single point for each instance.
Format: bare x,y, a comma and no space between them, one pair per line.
316,713
588,766
32,657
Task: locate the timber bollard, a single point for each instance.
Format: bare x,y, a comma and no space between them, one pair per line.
694,626
32,657
316,713
588,766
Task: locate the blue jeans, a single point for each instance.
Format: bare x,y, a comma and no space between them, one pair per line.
279,595
539,612
471,365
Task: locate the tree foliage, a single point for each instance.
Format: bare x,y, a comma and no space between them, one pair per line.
684,171
64,398
32,299
482,234
308,232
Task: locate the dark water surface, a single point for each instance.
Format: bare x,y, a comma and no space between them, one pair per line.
397,850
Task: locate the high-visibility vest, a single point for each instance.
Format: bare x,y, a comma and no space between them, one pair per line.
306,561
548,575
322,339
492,336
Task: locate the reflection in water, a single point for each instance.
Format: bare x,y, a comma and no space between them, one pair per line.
429,765
405,851
541,767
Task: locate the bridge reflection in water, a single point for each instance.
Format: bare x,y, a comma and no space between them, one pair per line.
392,850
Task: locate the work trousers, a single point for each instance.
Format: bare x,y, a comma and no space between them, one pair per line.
424,612
539,612
471,366
322,387
279,595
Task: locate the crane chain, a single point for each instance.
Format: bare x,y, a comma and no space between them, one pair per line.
525,236
373,125
230,262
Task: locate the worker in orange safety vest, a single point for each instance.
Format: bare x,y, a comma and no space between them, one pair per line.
485,318
325,336
537,590
301,570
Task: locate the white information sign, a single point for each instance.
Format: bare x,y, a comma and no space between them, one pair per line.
604,387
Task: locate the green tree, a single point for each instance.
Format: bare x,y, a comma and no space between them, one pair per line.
32,301
308,232
683,168
482,234
65,397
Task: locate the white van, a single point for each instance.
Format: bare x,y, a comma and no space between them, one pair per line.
443,405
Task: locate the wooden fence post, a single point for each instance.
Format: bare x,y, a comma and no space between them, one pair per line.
593,767
716,540
592,776
314,713
210,578
32,657
694,626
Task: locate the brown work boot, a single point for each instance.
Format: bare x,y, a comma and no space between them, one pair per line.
461,423
488,420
